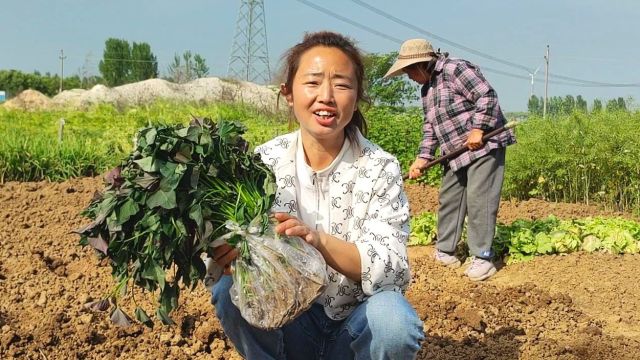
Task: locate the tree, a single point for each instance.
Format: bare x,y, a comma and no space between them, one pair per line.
394,91
534,106
186,68
14,82
581,104
621,104
200,68
597,105
144,64
612,105
568,104
115,65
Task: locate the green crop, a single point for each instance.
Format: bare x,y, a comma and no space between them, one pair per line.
523,239
167,201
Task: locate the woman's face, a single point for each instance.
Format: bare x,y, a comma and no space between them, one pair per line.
417,74
324,93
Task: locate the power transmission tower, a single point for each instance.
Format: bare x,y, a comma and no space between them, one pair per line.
61,57
249,58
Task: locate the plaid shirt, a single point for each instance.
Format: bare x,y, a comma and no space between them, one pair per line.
457,99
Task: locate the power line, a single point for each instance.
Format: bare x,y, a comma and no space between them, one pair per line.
386,36
479,53
446,41
130,60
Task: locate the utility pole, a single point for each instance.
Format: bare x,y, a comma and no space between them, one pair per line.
61,57
546,83
249,60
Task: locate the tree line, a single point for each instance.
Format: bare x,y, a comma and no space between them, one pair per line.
558,105
122,63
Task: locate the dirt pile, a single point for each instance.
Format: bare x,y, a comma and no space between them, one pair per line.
29,100
579,306
200,91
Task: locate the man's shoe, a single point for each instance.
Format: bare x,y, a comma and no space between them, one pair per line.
447,260
480,269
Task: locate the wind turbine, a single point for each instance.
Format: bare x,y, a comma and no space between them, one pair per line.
532,76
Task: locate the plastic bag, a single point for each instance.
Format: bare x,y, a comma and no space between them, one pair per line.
280,279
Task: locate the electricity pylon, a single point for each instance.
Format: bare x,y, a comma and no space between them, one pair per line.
249,58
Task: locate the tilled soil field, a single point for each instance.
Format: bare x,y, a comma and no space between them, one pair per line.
580,306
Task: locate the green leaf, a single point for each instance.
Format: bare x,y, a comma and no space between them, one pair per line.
148,164
591,243
166,200
153,271
544,244
126,211
150,136
184,154
145,181
164,317
142,316
195,214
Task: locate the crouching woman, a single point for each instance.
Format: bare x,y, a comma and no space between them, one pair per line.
343,195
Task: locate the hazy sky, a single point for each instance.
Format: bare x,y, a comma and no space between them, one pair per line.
592,40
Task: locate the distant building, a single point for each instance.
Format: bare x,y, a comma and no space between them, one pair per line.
2,96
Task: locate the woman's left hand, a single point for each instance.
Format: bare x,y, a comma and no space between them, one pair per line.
474,141
292,226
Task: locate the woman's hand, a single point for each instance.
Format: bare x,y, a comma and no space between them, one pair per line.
223,255
415,171
292,226
474,140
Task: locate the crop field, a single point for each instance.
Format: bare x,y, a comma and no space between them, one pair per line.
569,239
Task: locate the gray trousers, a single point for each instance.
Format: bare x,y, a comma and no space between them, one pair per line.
473,191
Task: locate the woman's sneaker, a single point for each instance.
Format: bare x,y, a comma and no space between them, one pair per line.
480,269
447,260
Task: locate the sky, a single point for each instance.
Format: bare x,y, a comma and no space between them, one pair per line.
595,41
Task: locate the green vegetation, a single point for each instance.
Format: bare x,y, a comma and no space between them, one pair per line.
590,158
559,105
97,139
123,63
577,158
14,82
394,91
524,239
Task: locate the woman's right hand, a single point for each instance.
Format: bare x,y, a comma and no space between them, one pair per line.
223,255
415,171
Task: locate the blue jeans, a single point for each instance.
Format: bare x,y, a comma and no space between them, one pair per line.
385,326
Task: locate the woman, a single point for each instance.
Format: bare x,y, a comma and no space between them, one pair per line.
344,196
460,106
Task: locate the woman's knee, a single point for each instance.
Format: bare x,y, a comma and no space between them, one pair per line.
392,322
390,309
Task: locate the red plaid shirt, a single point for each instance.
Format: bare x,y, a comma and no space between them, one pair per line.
457,99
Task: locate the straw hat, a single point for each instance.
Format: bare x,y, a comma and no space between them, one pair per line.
411,52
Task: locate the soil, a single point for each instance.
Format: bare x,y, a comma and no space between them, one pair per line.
579,306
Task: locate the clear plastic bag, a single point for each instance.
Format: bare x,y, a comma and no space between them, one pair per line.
281,278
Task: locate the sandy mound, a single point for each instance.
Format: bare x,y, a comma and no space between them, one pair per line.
29,100
202,90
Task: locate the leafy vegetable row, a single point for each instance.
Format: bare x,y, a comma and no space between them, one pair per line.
523,239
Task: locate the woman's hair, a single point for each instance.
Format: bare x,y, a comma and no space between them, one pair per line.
291,60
